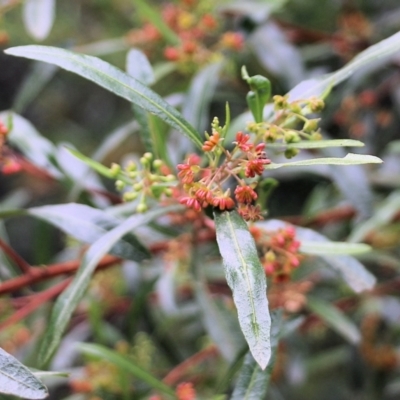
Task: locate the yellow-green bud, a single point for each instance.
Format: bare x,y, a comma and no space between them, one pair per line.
291,137
170,178
144,161
311,125
131,166
141,208
130,196
133,174
120,184
168,192
115,169
316,136
148,156
290,153
157,164
138,186
153,177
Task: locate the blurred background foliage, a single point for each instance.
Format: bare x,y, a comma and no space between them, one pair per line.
157,325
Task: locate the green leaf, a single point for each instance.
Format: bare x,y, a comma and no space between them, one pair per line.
112,79
68,301
153,15
317,144
377,52
335,318
333,248
18,380
382,216
350,159
89,224
350,269
126,365
253,382
198,98
246,278
38,17
138,66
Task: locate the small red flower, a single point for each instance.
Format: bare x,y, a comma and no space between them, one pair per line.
171,54
11,167
223,202
245,194
250,212
185,391
255,167
204,195
241,142
190,202
212,142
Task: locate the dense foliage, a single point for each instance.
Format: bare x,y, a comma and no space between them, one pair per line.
212,212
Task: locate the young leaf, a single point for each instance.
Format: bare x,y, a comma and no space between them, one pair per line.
246,278
126,365
17,380
350,159
138,66
333,248
68,301
112,79
335,318
252,383
38,16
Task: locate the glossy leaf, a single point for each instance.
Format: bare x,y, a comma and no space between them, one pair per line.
70,298
126,365
335,318
18,380
246,278
350,269
38,16
350,159
253,382
317,144
112,79
316,87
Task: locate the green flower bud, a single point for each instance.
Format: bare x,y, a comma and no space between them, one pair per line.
141,208
311,125
138,186
290,153
120,185
115,169
291,137
130,196
131,166
157,164
148,156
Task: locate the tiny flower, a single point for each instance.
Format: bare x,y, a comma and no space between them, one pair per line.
185,391
187,171
212,142
255,167
232,41
223,202
250,212
241,142
245,194
11,167
204,195
190,202
171,54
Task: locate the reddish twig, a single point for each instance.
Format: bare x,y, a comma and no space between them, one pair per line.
176,374
16,258
34,302
38,274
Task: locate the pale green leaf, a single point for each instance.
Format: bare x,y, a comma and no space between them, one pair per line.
333,248
18,380
350,159
70,298
317,144
126,365
246,278
253,382
138,66
38,17
335,319
112,79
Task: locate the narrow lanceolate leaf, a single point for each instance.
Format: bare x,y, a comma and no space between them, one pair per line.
126,365
316,87
38,16
68,301
17,380
333,248
335,319
246,278
253,382
317,144
112,79
350,159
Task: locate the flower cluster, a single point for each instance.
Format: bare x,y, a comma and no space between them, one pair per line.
150,178
280,252
210,185
290,114
197,34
